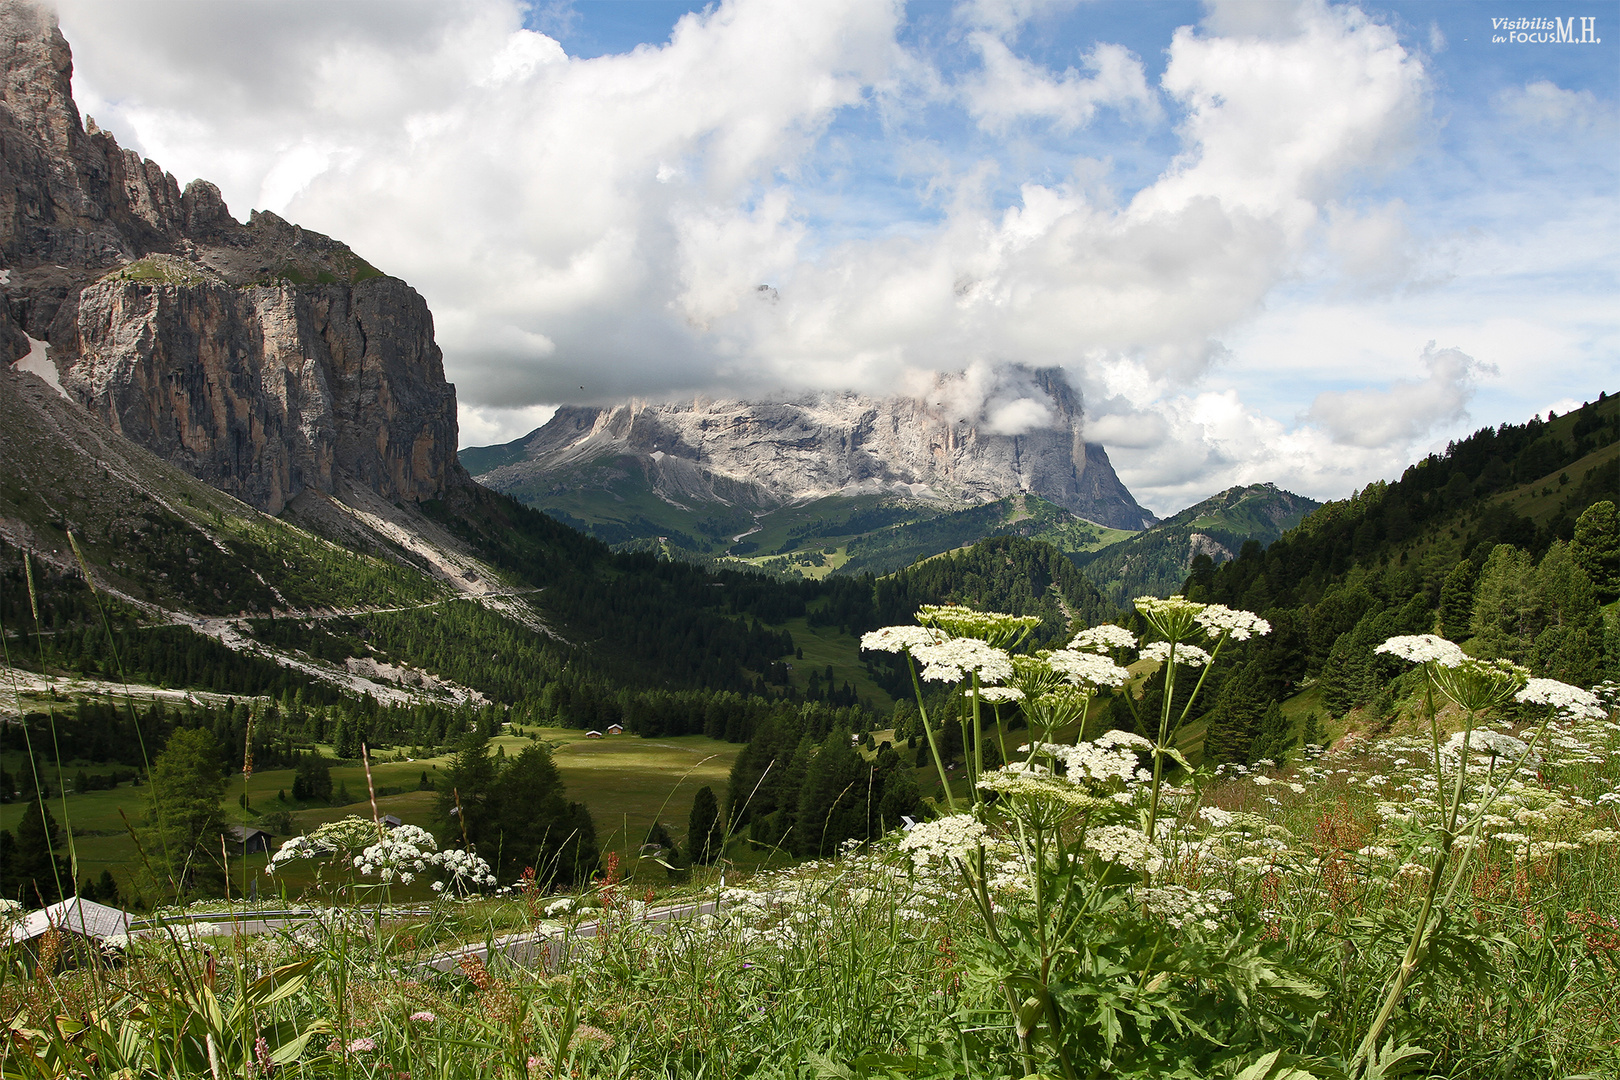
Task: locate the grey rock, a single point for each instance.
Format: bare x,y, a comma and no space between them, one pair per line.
762,455
263,358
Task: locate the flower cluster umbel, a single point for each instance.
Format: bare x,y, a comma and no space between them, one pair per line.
390,855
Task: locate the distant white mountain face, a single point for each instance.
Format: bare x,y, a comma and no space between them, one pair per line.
760,456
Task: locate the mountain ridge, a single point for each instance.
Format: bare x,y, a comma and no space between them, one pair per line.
767,454
1157,560
264,358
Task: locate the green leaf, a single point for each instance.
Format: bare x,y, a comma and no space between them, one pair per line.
1392,1061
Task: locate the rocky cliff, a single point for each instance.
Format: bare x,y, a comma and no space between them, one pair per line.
263,358
944,446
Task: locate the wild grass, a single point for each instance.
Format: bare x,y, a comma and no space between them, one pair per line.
857,966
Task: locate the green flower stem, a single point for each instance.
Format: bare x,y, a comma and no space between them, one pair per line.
987,913
1448,838
1166,728
1477,825
978,741
928,730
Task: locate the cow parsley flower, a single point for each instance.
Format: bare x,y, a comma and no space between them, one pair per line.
1108,740
1218,619
943,839
1190,655
1093,761
403,852
1172,616
466,870
1084,667
1024,780
1492,743
1572,701
1000,695
1125,845
993,627
1103,638
895,639
953,660
1423,649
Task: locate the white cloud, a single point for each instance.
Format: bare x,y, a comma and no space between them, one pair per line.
1408,409
1010,87
606,222
489,425
1544,102
592,229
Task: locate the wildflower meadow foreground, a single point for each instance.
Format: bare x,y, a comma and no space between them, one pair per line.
1443,900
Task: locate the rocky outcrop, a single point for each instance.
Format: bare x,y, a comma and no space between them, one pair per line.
263,358
767,454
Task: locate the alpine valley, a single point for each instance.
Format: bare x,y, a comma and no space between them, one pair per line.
233,518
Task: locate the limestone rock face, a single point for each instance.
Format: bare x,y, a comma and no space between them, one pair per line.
763,455
263,358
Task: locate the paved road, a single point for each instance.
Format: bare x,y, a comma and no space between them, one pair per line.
528,948
540,947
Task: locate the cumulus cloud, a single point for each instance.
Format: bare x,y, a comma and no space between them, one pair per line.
606,222
487,425
1408,409
1213,440
1544,102
651,223
1009,87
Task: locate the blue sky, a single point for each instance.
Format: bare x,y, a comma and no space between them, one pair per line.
1269,241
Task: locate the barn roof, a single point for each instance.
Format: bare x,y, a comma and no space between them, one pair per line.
84,917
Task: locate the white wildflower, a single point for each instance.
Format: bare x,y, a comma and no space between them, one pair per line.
1218,619
1086,667
894,639
1488,743
953,660
1000,695
1102,638
1124,845
993,627
1423,648
1110,739
1190,655
1569,700
943,839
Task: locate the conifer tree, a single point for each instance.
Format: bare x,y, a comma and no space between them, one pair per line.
1596,548
187,819
1457,601
33,869
704,830
1274,737
833,799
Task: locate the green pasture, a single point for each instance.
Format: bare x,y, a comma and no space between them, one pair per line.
824,645
628,783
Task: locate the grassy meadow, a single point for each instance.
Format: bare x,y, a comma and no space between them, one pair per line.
628,783
871,965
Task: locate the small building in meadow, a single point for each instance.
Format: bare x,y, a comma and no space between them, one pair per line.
389,821
593,734
250,841
83,922
615,729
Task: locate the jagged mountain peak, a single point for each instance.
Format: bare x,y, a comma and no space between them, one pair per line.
946,446
264,358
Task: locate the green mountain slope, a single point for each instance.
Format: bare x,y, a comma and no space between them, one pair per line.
1156,562
1479,543
835,535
